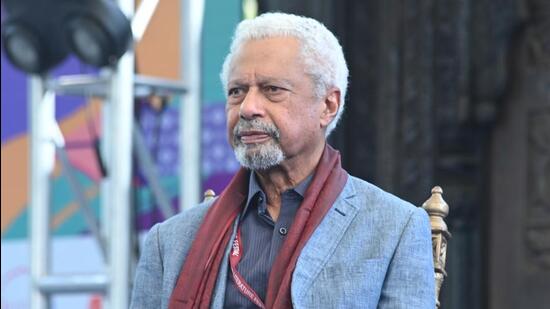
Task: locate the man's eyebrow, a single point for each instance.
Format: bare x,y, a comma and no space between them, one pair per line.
262,80
267,80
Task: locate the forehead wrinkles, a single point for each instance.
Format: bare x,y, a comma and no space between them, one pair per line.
258,79
278,52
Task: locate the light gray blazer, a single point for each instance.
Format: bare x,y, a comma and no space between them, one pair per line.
372,250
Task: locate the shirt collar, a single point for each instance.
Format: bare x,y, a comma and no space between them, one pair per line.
254,188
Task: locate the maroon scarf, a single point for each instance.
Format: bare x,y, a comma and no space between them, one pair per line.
199,272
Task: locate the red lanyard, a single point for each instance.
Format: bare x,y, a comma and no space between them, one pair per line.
244,288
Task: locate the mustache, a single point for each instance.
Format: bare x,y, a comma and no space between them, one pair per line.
256,125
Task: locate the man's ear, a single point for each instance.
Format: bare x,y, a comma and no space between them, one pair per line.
330,106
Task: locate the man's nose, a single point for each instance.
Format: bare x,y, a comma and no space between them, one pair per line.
252,105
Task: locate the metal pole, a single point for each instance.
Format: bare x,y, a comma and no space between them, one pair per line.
42,158
143,16
121,109
149,170
73,283
106,150
119,179
190,112
81,198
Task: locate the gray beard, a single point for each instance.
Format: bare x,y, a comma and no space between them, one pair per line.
258,156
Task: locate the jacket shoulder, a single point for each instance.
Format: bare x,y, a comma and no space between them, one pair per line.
165,248
374,199
184,225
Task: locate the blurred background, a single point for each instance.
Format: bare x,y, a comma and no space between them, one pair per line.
113,121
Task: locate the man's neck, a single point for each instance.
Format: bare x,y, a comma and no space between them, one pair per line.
285,176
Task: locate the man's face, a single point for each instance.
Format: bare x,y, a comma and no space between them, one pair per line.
273,114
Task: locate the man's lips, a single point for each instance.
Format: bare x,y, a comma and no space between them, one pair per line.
253,137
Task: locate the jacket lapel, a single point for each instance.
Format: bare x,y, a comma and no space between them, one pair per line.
324,241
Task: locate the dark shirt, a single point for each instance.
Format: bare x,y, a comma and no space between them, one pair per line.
261,239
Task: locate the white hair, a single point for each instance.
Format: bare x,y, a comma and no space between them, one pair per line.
322,54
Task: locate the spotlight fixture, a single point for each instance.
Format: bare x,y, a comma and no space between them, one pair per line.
98,34
30,35
38,34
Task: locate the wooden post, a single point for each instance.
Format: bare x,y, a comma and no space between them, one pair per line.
438,209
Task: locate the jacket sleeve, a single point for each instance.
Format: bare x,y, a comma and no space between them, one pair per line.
410,279
147,291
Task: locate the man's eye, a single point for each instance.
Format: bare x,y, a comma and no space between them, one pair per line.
235,91
272,89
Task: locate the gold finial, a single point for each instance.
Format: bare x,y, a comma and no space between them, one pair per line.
209,194
436,205
437,209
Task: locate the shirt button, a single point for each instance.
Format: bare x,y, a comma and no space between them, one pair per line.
260,199
283,231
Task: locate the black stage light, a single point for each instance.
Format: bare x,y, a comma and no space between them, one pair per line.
38,34
98,34
32,35
23,47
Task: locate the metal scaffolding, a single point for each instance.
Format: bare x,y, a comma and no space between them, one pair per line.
120,139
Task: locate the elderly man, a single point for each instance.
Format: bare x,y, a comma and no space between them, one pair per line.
292,229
